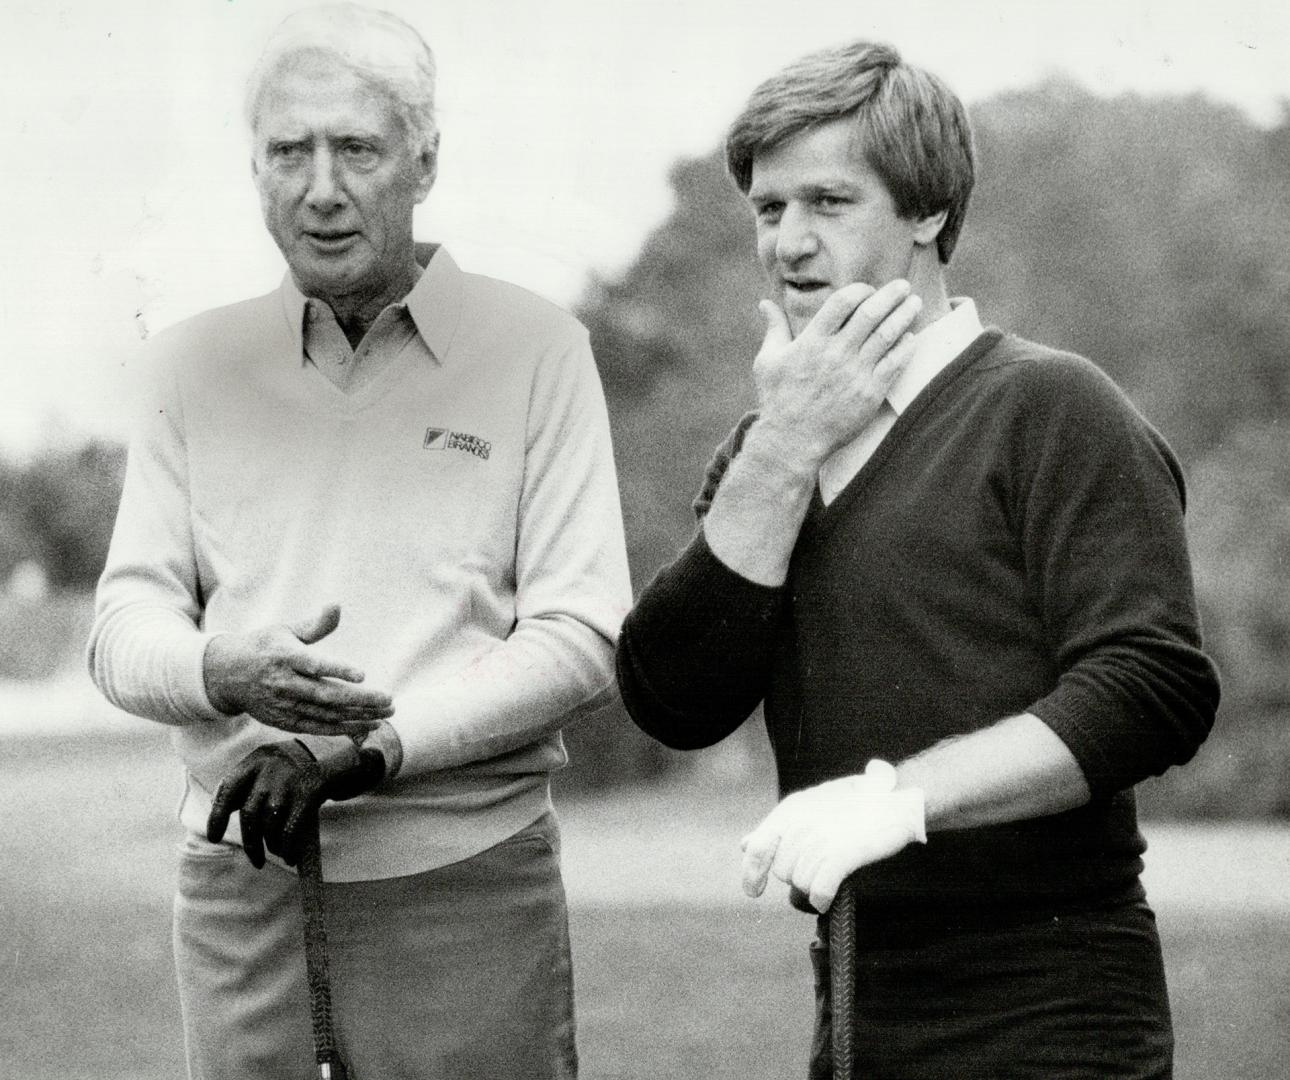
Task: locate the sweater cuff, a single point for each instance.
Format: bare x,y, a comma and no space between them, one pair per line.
387,741
695,652
327,748
1065,711
188,680
698,603
700,609
708,586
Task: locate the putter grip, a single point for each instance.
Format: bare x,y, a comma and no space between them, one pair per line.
330,1066
842,980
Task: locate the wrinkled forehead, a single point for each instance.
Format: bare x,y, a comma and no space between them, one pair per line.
315,88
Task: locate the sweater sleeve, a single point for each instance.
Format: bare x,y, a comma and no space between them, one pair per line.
145,650
1102,500
694,657
572,588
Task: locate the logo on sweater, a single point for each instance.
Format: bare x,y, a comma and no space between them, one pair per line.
443,439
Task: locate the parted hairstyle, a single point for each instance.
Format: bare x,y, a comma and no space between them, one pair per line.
912,127
380,48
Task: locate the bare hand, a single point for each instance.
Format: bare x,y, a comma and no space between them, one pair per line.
819,389
815,838
272,675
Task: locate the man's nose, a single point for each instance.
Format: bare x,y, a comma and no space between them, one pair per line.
325,190
795,237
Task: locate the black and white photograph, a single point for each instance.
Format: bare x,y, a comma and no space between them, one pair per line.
645,540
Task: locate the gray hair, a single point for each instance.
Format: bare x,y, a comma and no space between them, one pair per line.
380,48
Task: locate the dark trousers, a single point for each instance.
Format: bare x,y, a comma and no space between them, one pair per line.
1074,997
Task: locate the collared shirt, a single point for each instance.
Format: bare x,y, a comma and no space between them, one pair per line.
403,325
934,347
461,508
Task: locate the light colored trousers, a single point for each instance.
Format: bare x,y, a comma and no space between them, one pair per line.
459,973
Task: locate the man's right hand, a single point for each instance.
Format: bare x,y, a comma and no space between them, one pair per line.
818,390
272,675
815,393
276,791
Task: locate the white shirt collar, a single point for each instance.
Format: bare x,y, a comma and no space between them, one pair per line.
434,303
934,347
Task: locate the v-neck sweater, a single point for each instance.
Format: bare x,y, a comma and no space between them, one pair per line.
462,509
1015,544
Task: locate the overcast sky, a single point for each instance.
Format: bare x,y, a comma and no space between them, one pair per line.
127,202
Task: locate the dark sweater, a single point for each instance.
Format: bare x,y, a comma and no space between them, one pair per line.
1015,544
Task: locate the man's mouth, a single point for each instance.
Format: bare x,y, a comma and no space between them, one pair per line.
331,240
804,288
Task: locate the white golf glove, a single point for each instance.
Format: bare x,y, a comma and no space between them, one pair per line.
816,837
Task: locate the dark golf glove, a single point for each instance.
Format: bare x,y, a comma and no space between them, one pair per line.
277,789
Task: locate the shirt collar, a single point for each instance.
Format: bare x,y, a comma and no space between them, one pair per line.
934,347
434,303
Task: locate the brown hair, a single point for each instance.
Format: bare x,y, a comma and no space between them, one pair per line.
913,128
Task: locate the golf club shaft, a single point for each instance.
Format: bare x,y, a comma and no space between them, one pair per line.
842,980
316,965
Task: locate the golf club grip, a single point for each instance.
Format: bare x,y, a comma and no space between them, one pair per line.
330,1066
842,980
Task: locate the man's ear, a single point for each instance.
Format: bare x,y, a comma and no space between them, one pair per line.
927,229
427,167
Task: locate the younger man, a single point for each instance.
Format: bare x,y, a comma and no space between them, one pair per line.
943,547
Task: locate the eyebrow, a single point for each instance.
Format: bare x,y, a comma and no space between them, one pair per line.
812,190
308,138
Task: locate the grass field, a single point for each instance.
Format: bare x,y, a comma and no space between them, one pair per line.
677,975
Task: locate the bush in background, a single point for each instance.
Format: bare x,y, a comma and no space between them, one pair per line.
58,510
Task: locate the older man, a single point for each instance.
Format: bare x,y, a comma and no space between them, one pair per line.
952,565
369,555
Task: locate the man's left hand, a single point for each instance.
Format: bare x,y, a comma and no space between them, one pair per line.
277,788
815,838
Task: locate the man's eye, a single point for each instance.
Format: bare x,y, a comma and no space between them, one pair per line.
830,202
359,153
769,213
287,153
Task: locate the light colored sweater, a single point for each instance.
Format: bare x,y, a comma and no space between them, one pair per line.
462,509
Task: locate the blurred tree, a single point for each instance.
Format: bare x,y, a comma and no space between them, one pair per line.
59,511
674,338
1239,523
17,544
1149,234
